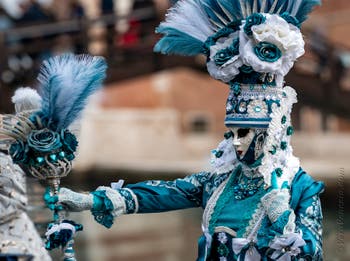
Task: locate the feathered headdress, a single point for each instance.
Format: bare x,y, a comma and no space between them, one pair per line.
41,139
190,24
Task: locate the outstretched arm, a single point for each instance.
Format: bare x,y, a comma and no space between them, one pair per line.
107,203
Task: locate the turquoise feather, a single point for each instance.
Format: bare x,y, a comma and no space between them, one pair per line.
177,42
66,82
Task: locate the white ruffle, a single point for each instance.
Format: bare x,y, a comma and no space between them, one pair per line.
119,206
276,133
227,161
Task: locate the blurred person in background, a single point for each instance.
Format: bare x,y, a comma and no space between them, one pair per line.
33,12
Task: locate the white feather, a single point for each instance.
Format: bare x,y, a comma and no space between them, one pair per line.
272,9
244,12
279,9
227,13
263,6
223,20
248,9
216,24
255,6
296,6
26,99
190,18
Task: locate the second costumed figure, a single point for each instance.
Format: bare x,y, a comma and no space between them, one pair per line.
259,204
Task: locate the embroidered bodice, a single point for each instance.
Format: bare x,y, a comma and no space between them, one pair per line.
237,213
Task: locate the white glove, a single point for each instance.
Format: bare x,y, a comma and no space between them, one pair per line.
73,201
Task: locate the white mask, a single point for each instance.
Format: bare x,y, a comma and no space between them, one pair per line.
243,138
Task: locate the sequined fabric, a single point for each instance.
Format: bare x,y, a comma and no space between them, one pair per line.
17,232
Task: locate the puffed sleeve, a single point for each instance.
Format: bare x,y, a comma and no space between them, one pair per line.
148,197
307,207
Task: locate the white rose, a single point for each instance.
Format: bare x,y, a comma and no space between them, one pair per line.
230,69
276,31
279,32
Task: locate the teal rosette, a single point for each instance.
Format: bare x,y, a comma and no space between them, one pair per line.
19,152
44,141
254,19
224,55
267,52
70,144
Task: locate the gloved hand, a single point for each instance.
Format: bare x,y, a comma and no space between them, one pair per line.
276,201
70,200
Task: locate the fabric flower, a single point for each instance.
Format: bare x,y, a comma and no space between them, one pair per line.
222,238
18,152
267,52
224,59
44,141
223,56
254,19
69,141
275,35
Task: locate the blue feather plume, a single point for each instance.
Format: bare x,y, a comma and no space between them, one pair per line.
66,82
177,42
185,29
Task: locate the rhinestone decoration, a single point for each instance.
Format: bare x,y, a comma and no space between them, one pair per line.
257,109
242,107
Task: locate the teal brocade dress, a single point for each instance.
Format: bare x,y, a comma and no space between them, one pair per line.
230,214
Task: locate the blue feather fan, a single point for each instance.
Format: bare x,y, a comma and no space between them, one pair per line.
66,82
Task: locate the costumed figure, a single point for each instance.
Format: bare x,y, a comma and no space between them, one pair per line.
18,236
259,204
41,142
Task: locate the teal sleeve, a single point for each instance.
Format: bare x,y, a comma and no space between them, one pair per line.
307,207
160,196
